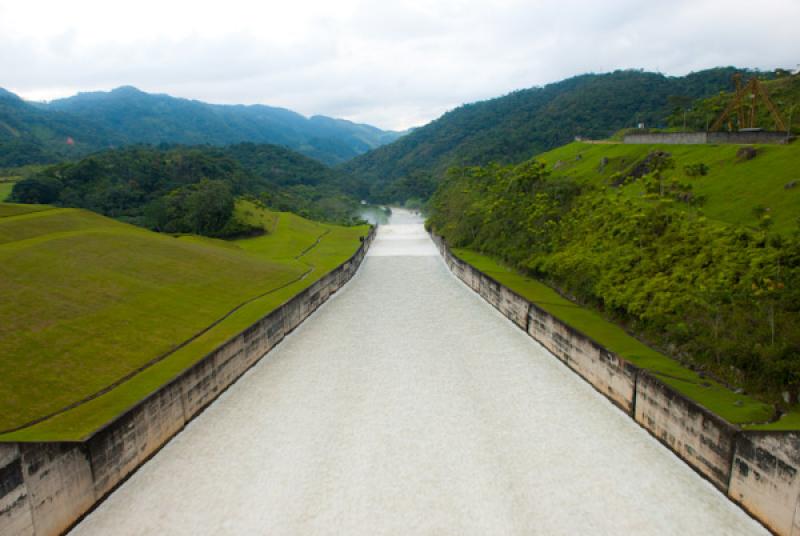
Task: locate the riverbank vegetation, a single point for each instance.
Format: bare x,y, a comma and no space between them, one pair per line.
89,300
703,266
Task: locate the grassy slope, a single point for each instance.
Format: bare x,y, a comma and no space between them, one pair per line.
102,298
708,393
732,188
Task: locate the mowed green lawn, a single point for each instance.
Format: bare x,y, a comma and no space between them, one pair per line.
732,188
736,408
88,300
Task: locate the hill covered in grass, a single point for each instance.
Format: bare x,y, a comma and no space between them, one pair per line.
88,122
517,126
89,300
733,189
695,249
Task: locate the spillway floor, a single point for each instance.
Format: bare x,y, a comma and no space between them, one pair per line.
407,405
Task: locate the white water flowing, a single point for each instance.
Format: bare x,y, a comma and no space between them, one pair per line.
407,405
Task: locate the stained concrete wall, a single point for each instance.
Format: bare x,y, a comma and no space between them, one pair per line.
15,508
604,370
765,479
701,438
677,138
760,471
699,138
46,487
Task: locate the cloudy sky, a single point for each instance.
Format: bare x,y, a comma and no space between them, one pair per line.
389,63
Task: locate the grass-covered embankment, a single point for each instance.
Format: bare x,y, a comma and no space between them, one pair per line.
89,301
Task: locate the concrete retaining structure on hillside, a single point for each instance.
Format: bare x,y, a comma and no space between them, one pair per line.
711,138
760,471
45,488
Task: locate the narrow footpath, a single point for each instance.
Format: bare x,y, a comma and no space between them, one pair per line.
407,405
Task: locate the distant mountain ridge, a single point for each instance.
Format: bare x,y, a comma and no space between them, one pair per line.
522,124
39,132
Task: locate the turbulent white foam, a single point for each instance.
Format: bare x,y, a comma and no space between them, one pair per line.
407,240
404,239
407,405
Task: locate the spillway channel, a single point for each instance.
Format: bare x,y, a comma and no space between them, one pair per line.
408,405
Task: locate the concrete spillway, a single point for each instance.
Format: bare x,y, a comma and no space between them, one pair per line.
407,405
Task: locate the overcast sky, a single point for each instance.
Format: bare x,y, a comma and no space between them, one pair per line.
391,64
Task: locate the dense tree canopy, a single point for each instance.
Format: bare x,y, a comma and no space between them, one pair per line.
167,188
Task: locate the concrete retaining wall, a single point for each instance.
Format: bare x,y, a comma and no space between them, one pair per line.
699,138
46,487
760,471
765,479
701,438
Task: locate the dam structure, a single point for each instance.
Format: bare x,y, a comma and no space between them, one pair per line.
408,405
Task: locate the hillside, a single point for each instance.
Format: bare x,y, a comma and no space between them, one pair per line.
38,133
694,249
89,301
522,124
163,188
731,191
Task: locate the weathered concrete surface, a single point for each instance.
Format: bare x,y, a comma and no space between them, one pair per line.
46,487
59,481
407,405
608,373
704,440
765,478
15,509
698,138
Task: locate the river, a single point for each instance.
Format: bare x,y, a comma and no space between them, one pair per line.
407,405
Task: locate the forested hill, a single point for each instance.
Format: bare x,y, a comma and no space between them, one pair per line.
517,126
38,133
175,189
29,135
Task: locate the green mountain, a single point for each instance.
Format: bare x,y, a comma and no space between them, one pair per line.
522,124
38,133
32,135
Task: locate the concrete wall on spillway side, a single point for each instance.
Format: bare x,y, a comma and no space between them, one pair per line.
711,138
45,488
760,471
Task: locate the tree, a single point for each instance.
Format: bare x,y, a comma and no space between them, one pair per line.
203,208
39,189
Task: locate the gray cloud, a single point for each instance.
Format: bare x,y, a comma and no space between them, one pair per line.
387,63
